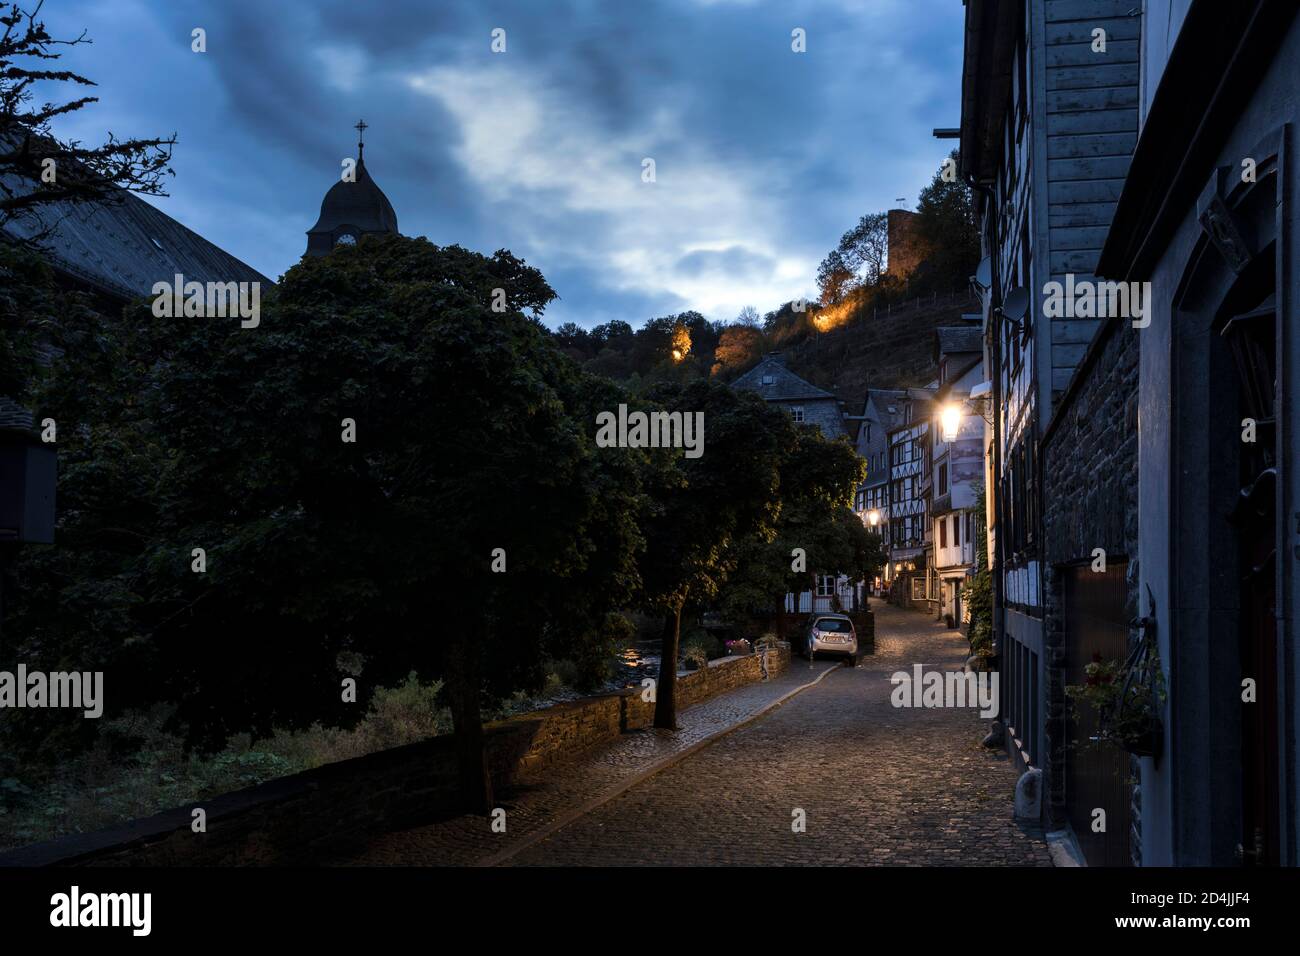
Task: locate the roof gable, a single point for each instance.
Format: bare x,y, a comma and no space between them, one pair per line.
776,383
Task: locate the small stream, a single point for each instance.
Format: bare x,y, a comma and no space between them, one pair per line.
637,662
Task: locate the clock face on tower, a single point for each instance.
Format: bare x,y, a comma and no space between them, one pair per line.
347,239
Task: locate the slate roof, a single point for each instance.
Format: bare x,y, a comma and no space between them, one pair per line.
785,386
123,248
957,338
883,399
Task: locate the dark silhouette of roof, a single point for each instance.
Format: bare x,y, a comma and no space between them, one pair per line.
358,207
122,247
776,383
119,248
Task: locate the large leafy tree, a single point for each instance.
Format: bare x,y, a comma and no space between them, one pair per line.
705,505
818,476
473,433
74,606
947,226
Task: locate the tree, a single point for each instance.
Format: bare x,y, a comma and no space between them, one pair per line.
864,249
748,317
738,346
702,505
614,334
37,169
948,228
77,601
385,468
818,477
834,277
574,339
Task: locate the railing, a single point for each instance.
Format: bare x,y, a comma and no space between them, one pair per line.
923,301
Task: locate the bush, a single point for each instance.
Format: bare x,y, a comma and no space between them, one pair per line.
699,647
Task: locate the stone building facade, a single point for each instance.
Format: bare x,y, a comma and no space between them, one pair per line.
806,403
1090,502
1048,128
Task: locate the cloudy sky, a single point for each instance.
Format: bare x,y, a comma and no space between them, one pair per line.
763,156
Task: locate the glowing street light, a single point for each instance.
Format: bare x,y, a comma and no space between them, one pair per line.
873,517
950,418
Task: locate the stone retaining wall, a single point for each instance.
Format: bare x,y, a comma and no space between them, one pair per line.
313,815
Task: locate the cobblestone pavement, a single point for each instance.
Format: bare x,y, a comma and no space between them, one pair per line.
877,784
536,803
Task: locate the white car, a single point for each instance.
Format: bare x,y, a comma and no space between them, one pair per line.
832,634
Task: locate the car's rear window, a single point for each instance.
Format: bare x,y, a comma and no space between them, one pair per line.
834,624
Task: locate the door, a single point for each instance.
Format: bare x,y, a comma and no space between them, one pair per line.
1250,336
1096,777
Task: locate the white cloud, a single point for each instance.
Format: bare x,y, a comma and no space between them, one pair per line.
528,151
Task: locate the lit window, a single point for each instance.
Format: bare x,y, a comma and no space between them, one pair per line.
797,412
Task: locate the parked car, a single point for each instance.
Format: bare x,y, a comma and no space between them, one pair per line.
831,634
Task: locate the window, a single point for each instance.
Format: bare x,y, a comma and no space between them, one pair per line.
943,478
943,532
956,530
769,379
825,585
797,412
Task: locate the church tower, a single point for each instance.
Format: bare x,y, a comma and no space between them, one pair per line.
351,210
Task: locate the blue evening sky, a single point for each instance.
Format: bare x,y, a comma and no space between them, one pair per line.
763,156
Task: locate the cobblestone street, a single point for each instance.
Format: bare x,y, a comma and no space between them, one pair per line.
877,784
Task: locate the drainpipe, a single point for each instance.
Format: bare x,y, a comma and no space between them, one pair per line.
995,304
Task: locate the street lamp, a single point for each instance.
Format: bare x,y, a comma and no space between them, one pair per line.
950,418
873,517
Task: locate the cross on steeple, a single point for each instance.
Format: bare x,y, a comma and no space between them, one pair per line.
361,128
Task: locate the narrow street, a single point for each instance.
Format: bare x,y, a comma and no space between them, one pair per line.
877,784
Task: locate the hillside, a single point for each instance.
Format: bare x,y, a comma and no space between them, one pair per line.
892,350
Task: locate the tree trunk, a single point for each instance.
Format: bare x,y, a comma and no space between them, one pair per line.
666,689
471,754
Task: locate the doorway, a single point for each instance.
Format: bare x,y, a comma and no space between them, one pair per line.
1096,777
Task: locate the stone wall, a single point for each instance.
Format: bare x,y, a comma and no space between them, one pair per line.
1090,500
310,816
568,729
